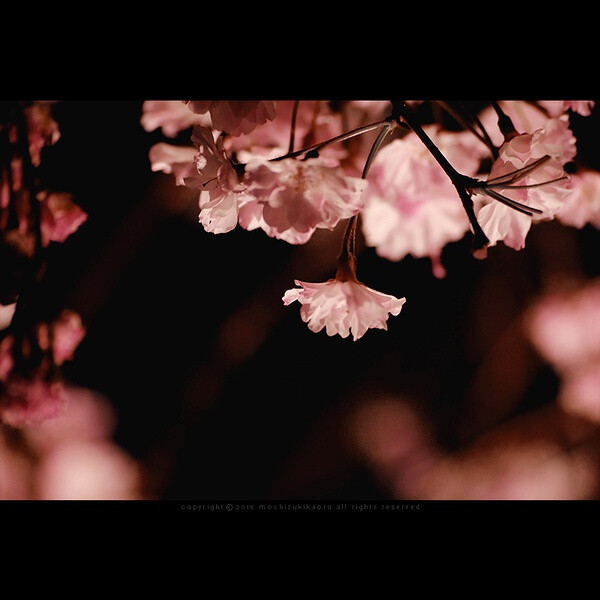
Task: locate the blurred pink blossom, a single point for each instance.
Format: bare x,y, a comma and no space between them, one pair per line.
295,197
579,392
558,107
582,205
172,116
15,473
87,470
342,307
411,206
60,217
6,314
42,129
67,333
6,357
235,117
27,401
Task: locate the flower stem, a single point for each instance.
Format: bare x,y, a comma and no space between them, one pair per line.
293,127
338,138
505,123
460,182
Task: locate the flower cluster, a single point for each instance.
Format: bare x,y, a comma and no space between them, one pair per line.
32,217
419,175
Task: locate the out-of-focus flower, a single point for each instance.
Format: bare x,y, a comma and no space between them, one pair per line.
88,470
342,307
60,216
15,473
6,357
579,392
27,401
6,314
178,160
543,188
582,205
235,116
510,469
564,327
172,116
42,129
411,206
67,333
295,197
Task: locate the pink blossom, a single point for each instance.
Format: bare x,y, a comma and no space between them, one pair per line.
235,116
26,402
67,333
558,107
343,306
60,217
411,206
6,357
222,190
6,314
314,123
565,327
42,129
550,188
582,205
295,197
172,116
88,470
178,160
579,392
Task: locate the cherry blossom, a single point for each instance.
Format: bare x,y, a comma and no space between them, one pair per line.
342,307
558,107
235,116
42,129
543,188
60,216
582,205
171,116
28,401
295,197
411,206
178,160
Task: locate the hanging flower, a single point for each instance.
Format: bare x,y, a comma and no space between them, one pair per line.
235,116
342,307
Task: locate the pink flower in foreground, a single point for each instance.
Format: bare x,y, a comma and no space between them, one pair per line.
222,190
343,306
235,116
88,470
172,116
178,160
295,197
26,402
411,206
548,183
582,205
60,217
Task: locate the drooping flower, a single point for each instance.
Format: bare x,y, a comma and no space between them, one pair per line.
343,307
235,116
411,206
30,401
558,107
295,197
543,188
60,216
172,116
67,333
582,205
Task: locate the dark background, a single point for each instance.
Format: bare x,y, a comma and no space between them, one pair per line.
220,391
